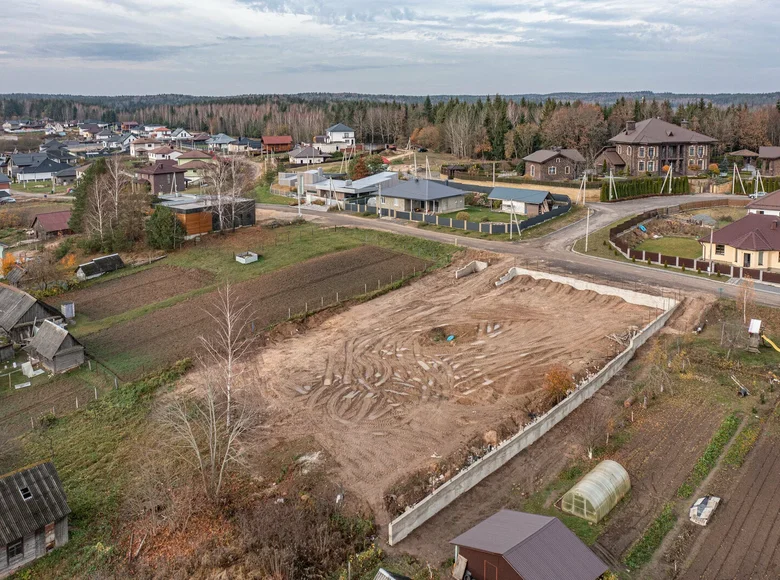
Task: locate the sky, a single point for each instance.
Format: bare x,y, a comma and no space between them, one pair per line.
414,47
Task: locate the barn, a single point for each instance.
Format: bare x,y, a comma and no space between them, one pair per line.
20,312
55,348
33,516
99,266
46,225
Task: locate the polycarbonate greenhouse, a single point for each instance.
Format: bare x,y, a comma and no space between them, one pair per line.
598,492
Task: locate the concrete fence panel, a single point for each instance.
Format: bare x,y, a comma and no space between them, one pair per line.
469,477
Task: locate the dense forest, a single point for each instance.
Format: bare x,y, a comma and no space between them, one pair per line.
490,128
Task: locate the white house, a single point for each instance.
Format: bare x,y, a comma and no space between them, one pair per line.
163,153
767,205
54,128
307,156
181,134
336,138
141,147
219,142
43,171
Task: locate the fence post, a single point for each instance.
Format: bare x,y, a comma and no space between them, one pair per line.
96,393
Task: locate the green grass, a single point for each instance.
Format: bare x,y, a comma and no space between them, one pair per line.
743,443
92,451
642,552
575,214
709,458
673,246
482,214
262,194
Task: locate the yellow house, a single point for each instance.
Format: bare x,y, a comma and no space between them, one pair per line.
751,242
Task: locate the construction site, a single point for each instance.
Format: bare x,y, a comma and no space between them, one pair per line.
393,386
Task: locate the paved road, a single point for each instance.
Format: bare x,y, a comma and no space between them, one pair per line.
553,252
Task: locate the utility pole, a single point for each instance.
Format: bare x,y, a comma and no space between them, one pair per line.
712,234
587,227
494,174
300,189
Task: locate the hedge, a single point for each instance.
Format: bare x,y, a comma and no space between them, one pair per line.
770,184
645,187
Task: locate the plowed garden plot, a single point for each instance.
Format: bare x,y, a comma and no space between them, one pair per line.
134,290
664,446
743,540
169,334
385,393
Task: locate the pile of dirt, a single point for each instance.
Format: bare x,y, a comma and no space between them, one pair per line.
664,227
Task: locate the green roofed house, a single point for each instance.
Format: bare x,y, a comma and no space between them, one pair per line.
530,202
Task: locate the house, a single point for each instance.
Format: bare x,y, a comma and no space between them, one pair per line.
99,266
81,170
336,138
277,143
33,515
180,134
19,312
19,161
89,130
767,205
66,176
315,183
104,135
511,545
47,225
128,126
163,154
245,145
54,128
61,155
161,133
51,144
421,195
121,141
307,156
194,155
652,144
199,141
554,164
55,348
770,160
141,147
529,202
219,142
163,177
43,171
750,242
5,183
199,214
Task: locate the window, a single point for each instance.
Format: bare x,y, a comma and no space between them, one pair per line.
701,163
641,166
551,170
641,152
382,200
558,160
650,166
761,258
15,550
567,170
620,149
720,250
533,170
651,152
701,150
690,151
395,201
628,150
26,493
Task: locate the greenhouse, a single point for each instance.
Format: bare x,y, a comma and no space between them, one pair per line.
594,496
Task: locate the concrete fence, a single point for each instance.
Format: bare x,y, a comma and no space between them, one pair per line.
469,477
470,268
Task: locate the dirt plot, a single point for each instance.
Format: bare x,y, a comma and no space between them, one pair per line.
384,391
658,459
743,540
166,335
134,290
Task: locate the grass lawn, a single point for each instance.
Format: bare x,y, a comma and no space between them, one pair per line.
673,246
262,194
482,214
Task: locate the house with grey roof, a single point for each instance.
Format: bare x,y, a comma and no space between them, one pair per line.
20,312
555,164
421,195
99,266
512,545
307,156
33,516
336,138
529,202
55,348
219,142
770,160
43,171
650,145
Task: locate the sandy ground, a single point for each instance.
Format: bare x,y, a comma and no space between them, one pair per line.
384,393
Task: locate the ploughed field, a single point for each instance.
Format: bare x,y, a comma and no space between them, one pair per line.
385,392
168,334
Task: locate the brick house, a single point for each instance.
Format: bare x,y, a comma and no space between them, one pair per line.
164,177
770,160
650,145
554,164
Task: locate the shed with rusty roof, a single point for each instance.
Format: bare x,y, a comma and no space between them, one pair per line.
56,223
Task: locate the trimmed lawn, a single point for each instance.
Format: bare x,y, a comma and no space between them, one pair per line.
478,214
673,246
262,194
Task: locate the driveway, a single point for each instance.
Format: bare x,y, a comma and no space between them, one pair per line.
553,252
22,194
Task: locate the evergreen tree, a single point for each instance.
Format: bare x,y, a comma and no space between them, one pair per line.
164,231
428,109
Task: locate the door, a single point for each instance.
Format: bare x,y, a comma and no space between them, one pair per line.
746,260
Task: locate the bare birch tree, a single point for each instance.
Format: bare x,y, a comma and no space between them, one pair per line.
117,182
230,340
100,211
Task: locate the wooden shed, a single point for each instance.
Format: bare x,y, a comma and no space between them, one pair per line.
55,348
20,312
33,516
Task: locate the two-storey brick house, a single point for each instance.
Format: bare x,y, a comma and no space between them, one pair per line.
652,144
555,164
770,160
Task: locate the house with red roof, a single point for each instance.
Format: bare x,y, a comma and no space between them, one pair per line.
750,242
278,143
47,225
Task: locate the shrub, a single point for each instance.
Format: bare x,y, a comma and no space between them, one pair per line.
462,215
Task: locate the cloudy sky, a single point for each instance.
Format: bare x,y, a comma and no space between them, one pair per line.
226,47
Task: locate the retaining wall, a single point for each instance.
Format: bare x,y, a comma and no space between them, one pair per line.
414,517
470,268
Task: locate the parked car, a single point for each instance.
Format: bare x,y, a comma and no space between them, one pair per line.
4,200
757,194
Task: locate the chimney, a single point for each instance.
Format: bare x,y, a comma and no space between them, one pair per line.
684,123
774,225
630,126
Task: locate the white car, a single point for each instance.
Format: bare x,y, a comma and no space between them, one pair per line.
757,194
7,200
702,509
